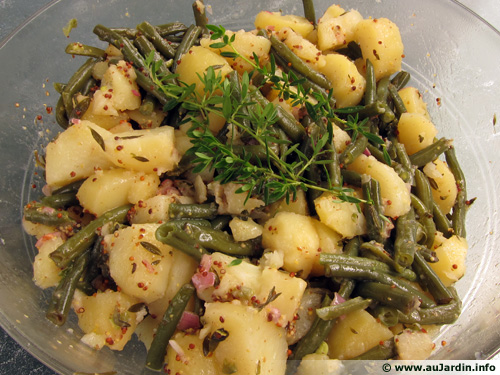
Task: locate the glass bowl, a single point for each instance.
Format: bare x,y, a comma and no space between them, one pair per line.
452,56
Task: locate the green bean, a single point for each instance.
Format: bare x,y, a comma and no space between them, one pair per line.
400,80
396,99
351,177
352,51
190,37
146,48
166,328
373,211
60,200
171,28
149,86
193,211
257,152
200,14
82,240
423,189
405,242
388,295
408,171
351,249
430,153
376,153
39,213
309,11
298,64
76,83
361,262
80,108
148,105
425,217
353,150
84,50
441,314
311,340
127,32
381,255
371,110
285,120
72,187
384,350
59,87
63,294
366,273
386,314
61,116
371,84
431,281
429,255
236,94
460,206
161,44
170,234
336,311
221,222
442,223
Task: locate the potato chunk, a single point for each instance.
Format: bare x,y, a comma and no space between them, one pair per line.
191,360
112,188
45,272
415,131
393,189
337,30
381,43
451,253
413,345
105,318
443,184
357,333
254,344
276,21
414,103
146,150
75,155
138,262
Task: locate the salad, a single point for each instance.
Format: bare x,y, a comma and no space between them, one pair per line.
250,201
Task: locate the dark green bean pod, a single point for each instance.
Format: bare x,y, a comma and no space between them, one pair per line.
190,38
375,224
384,350
148,105
82,240
236,94
166,328
429,255
146,48
377,153
366,273
460,206
161,44
430,153
405,242
371,84
387,295
407,173
127,32
61,200
285,120
380,254
61,116
200,14
336,311
309,11
41,214
221,222
80,108
72,187
298,64
441,220
431,281
425,217
387,315
150,87
84,50
171,234
423,189
351,249
62,296
351,177
76,83
311,341
353,150
352,51
400,80
193,211
399,105
371,110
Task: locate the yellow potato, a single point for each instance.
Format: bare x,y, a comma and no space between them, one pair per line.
192,360
276,21
415,131
414,103
451,253
443,185
337,30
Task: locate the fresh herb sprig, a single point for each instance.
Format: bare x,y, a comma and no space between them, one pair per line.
273,177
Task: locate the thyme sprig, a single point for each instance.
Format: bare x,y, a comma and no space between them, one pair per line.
272,177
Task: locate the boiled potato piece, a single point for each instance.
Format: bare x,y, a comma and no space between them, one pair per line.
191,360
303,48
112,188
330,242
297,205
415,131
152,210
275,21
451,253
254,345
244,230
348,84
337,30
196,61
443,184
139,263
413,345
45,272
75,154
106,121
381,43
413,101
319,364
105,318
145,150
247,44
343,217
295,235
394,192
357,333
